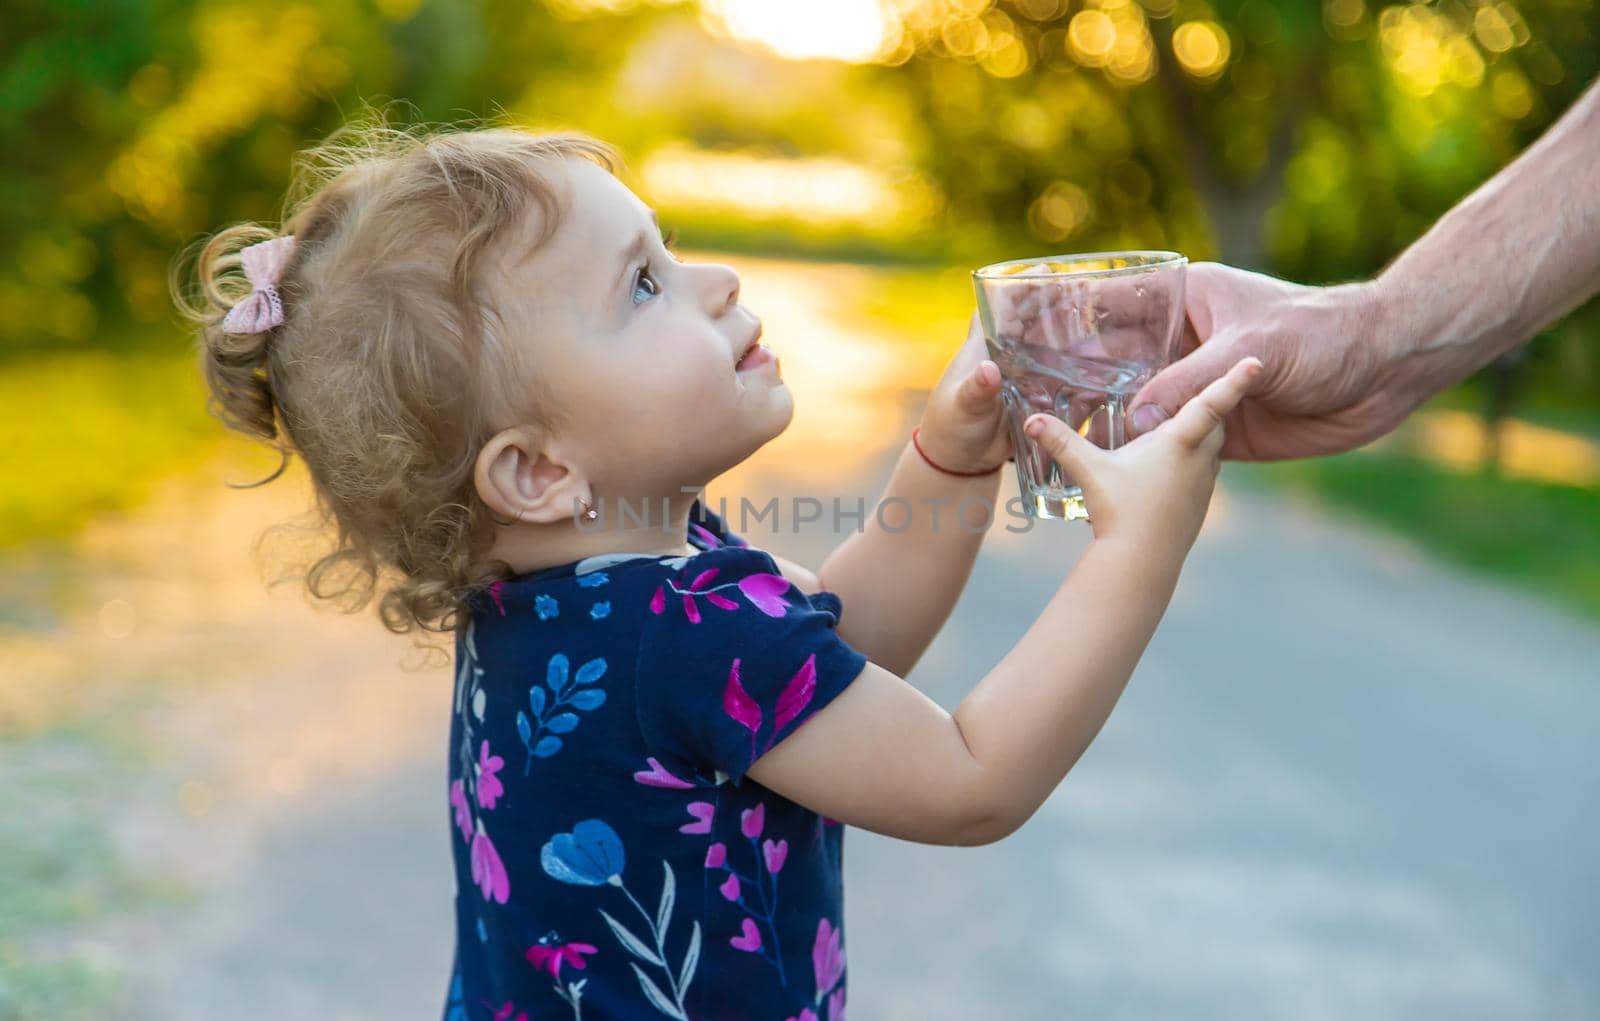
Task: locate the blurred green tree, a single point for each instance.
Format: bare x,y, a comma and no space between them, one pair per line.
1312,140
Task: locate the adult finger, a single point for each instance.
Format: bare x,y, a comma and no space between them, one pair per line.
1177,384
1208,409
1076,455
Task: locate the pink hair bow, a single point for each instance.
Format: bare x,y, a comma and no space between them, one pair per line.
263,267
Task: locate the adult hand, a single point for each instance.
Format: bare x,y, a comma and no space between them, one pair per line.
1330,380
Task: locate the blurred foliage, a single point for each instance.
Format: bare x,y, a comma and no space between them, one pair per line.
88,430
1312,140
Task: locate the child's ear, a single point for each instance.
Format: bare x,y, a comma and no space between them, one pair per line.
517,480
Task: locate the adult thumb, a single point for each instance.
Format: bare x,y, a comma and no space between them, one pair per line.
1172,387
1076,455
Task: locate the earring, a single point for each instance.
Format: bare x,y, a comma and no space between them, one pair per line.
589,513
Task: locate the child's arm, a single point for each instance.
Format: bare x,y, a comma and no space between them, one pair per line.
899,583
884,757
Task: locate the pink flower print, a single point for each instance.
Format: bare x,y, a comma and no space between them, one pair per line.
506,1013
730,887
550,953
716,856
775,854
827,958
494,593
792,701
738,704
797,694
487,870
749,938
489,786
458,801
765,592
751,820
657,776
702,812
805,1015
699,589
836,1005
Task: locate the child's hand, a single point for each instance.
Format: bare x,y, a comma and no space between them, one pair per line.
1155,492
963,427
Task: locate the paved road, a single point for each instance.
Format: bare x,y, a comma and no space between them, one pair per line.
1345,782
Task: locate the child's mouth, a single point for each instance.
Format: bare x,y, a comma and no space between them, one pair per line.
755,357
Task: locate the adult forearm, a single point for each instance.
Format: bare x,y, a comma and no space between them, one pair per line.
899,583
1030,719
1514,256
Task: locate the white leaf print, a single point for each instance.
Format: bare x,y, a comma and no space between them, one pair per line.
479,700
657,998
669,892
630,942
690,960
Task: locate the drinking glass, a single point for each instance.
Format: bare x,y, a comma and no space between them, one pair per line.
1077,336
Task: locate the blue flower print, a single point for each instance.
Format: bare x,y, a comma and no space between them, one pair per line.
591,855
565,692
594,580
599,611
545,607
457,1011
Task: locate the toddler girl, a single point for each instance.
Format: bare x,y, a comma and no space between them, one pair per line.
476,340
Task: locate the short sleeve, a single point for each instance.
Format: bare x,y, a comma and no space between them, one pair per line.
732,659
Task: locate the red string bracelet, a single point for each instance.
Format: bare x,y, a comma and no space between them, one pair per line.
947,471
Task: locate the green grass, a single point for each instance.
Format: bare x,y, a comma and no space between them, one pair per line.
62,868
85,432
1541,537
88,431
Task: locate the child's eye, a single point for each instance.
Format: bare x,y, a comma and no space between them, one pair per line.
670,244
639,284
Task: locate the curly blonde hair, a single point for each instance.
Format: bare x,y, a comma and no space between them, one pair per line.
393,359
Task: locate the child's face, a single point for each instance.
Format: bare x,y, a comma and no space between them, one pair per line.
639,349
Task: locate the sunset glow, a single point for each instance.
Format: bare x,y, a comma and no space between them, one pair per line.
849,30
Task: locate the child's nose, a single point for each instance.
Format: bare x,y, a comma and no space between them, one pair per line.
722,287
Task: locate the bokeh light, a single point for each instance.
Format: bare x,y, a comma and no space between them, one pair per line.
1202,48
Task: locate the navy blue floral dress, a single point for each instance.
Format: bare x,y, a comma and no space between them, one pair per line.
611,858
